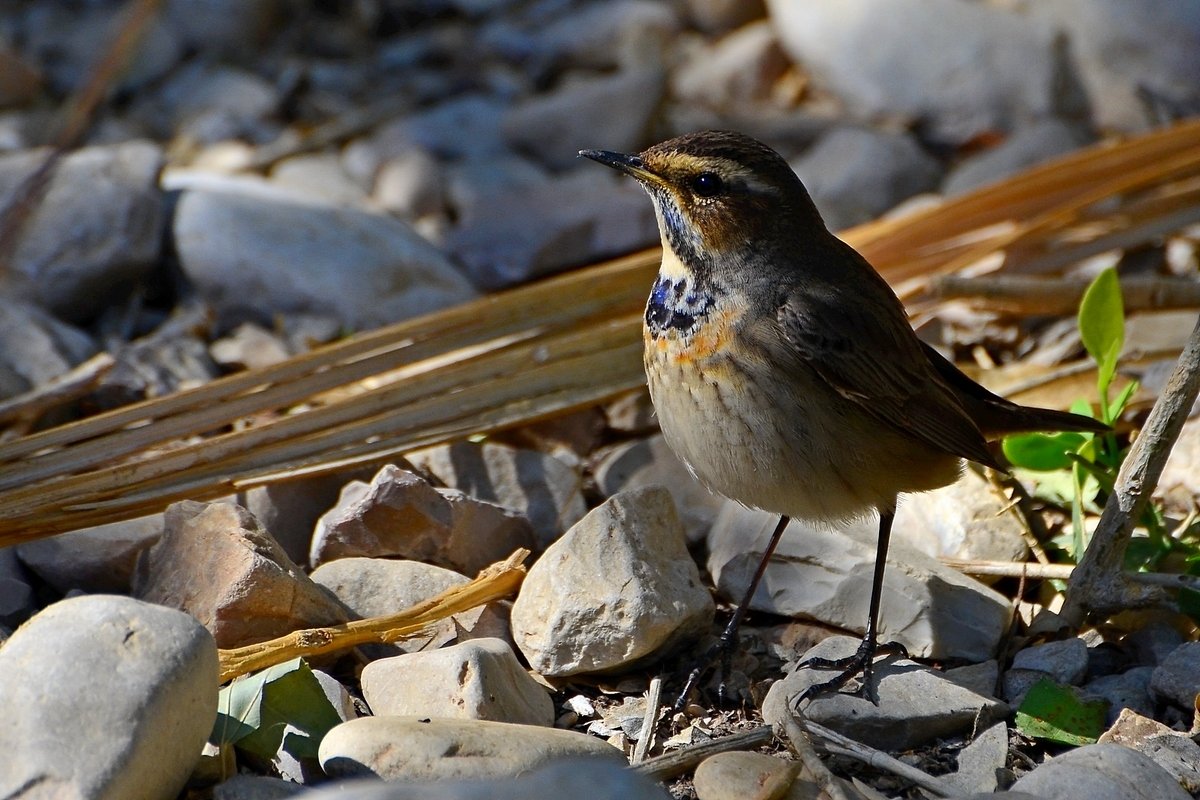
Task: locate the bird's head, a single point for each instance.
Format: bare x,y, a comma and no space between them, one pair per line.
720,196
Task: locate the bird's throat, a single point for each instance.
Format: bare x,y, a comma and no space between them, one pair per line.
680,301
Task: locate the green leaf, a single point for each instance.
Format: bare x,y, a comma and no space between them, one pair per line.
1043,452
1056,713
1102,325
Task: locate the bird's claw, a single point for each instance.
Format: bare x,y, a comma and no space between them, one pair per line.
861,663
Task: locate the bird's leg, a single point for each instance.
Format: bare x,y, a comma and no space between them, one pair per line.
863,661
727,643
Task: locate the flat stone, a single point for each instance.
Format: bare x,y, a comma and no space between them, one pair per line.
617,589
980,760
35,347
1129,690
78,251
215,562
1177,678
822,574
738,775
92,560
1065,661
916,704
981,678
1175,752
400,515
105,697
1101,772
273,255
548,492
479,679
422,749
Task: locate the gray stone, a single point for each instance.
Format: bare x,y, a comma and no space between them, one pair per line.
1028,146
1153,642
400,515
1065,661
553,127
321,177
465,126
475,185
281,256
411,185
79,250
1018,682
545,490
1101,772
479,679
916,704
422,749
650,462
981,678
215,562
256,787
574,776
99,559
822,574
979,761
617,589
625,33
35,347
248,346
1128,690
16,591
959,68
1177,678
856,174
1177,753
740,69
105,697
207,102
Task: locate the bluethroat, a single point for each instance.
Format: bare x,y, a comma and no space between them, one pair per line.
782,366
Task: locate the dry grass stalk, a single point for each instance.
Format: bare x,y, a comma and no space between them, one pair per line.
498,581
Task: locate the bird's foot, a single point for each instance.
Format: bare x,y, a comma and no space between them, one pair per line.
721,651
861,663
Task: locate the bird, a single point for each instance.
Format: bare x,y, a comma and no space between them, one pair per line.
783,369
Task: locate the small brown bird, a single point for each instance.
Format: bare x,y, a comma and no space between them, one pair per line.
782,366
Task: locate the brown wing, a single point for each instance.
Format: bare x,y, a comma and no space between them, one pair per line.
863,347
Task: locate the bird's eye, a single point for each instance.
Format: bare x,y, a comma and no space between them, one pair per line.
708,184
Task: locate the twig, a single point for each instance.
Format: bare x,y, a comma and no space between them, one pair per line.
499,580
1099,583
1032,529
1024,295
668,765
838,744
650,721
1018,569
57,391
801,745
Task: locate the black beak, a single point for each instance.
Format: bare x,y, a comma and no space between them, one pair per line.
629,164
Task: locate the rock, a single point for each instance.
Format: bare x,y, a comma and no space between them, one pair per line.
1018,682
1028,146
545,490
410,185
206,102
916,704
321,177
233,27
400,515
1177,678
99,559
1065,661
105,697
16,591
963,520
1130,690
593,778
373,587
1152,643
552,127
35,347
1122,54
959,68
718,16
632,412
740,69
475,185
650,462
737,775
215,562
248,346
856,174
256,787
166,361
79,251
512,235
1175,752
479,679
617,589
822,574
1100,772
275,256
467,126
624,34
981,678
416,749
979,761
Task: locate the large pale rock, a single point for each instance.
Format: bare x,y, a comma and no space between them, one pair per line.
822,574
215,562
737,70
1101,772
99,559
616,589
966,519
479,679
423,749
253,255
400,515
548,492
79,250
105,698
